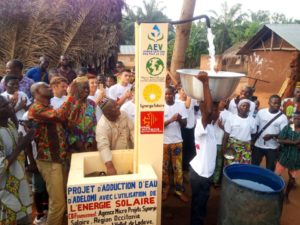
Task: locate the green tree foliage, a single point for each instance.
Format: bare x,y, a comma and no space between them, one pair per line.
151,11
230,26
224,25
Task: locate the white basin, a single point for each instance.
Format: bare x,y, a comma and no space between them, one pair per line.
222,84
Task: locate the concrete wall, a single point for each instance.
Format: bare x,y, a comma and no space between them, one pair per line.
272,66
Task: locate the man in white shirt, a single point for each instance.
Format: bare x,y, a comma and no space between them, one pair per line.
120,92
18,99
59,86
188,145
203,164
266,144
175,117
246,93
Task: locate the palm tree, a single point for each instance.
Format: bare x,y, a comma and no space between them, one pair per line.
150,11
86,30
225,24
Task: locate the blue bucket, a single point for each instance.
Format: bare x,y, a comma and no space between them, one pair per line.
255,174
250,195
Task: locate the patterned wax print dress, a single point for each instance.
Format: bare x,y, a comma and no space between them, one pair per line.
15,201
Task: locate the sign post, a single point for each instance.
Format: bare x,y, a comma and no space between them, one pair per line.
151,67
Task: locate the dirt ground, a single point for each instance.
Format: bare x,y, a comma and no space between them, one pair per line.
175,212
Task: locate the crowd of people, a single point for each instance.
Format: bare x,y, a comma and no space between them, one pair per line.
58,112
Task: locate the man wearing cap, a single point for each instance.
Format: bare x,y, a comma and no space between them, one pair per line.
115,130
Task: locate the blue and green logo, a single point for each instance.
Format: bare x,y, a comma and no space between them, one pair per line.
155,35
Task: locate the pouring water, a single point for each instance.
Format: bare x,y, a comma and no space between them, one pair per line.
211,50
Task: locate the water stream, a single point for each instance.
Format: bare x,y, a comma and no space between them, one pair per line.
211,50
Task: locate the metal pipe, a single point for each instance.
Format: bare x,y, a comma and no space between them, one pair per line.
181,21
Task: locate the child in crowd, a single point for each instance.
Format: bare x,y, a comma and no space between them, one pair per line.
289,158
175,117
203,164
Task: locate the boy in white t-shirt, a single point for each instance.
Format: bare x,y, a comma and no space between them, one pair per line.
266,144
175,117
18,99
203,164
120,92
59,86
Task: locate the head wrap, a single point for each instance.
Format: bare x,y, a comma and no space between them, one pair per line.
244,101
81,79
103,102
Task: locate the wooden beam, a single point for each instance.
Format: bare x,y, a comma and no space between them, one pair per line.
263,45
272,40
264,49
281,43
284,86
256,79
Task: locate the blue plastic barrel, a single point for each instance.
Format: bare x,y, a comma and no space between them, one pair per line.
250,195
